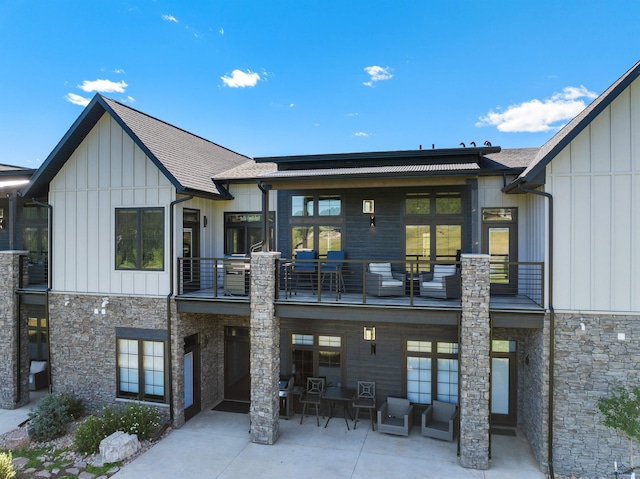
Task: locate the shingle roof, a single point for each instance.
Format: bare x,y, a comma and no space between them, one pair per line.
188,161
560,140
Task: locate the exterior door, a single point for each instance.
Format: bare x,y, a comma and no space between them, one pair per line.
500,242
190,250
191,376
504,389
237,374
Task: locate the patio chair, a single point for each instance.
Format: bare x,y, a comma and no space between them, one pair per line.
38,375
444,282
333,268
312,395
439,420
395,416
381,281
365,398
304,266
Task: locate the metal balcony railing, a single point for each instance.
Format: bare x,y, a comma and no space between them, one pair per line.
350,281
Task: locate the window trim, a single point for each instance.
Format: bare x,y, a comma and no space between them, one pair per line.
316,348
434,355
140,239
315,221
141,336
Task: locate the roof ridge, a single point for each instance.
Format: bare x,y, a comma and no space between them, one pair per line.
171,125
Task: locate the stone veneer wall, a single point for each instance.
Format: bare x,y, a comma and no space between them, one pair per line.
590,364
12,396
83,343
475,362
265,350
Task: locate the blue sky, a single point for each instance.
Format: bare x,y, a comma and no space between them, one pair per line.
277,77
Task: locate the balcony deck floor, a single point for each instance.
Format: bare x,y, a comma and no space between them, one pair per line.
498,302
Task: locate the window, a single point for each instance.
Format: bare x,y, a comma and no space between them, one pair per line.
433,226
316,223
35,233
140,238
432,371
1,218
243,230
141,370
38,334
317,356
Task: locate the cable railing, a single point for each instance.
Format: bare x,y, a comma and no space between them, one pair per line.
416,283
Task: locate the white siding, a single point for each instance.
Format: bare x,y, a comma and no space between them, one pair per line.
106,171
595,182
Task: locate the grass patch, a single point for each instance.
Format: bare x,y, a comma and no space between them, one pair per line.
32,454
102,470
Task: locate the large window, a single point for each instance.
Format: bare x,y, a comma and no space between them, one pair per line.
140,238
316,223
433,225
244,230
432,371
141,370
317,355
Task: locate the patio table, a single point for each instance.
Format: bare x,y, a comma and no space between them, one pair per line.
343,396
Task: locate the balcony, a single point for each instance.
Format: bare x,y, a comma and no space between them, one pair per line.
514,286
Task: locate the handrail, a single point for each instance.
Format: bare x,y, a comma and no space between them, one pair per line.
351,282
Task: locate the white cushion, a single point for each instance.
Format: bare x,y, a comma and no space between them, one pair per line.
433,285
391,282
442,270
383,269
38,366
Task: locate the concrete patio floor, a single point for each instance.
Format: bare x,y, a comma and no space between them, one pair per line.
218,445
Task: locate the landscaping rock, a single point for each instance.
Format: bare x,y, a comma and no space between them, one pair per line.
119,446
19,462
17,439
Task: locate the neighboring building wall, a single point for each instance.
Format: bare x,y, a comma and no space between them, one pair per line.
590,364
106,171
83,343
14,361
595,182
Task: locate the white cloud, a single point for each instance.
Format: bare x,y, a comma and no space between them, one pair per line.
76,99
221,31
119,71
536,116
352,114
361,133
377,74
169,18
291,105
103,86
240,79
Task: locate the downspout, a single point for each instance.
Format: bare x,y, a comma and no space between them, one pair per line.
552,316
49,285
266,237
169,296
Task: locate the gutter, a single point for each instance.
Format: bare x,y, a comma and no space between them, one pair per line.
170,295
552,315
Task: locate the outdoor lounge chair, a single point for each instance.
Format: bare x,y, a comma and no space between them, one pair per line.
38,375
395,416
439,420
443,282
381,281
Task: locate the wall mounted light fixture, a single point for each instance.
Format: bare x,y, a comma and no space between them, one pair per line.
204,219
369,334
369,208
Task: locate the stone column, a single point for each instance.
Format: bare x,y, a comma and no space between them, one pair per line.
265,350
14,384
475,362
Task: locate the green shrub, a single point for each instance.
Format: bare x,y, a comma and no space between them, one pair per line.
52,415
88,435
140,420
6,468
135,418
